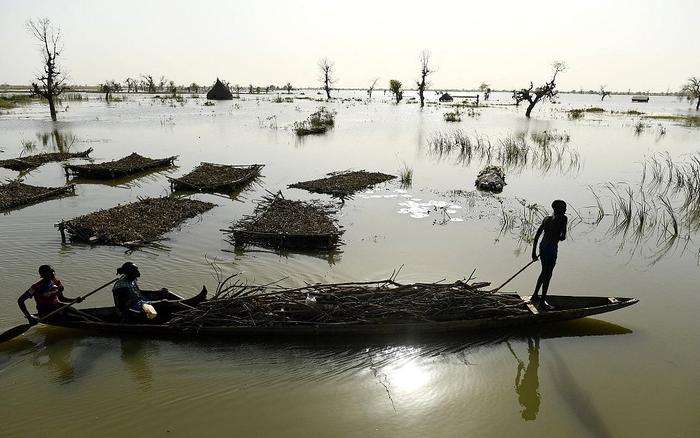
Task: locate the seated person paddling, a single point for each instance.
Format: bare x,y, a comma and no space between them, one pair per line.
138,306
48,295
554,229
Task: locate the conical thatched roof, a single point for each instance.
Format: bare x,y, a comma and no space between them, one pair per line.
219,92
446,98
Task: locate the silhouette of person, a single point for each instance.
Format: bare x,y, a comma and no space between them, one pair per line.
554,229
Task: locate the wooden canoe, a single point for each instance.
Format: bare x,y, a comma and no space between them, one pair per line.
565,308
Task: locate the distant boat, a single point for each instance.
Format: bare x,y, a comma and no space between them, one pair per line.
640,98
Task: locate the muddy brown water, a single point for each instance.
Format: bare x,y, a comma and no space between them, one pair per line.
625,374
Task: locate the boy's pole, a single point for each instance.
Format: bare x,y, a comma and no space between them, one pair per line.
493,291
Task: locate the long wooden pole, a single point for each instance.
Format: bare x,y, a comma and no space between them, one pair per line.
493,291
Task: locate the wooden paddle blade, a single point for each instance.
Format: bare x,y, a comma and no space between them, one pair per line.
14,332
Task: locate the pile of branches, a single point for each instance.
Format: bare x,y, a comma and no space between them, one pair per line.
343,184
362,303
282,223
216,177
16,194
32,161
137,223
130,165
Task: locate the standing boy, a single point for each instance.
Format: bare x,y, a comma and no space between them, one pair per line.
554,229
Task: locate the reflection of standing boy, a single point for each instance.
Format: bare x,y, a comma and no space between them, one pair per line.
554,229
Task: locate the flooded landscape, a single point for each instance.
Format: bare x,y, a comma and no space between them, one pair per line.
612,375
289,219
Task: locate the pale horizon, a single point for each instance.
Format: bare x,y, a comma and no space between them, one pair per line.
624,45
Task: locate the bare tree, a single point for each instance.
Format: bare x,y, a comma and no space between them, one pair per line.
371,88
691,90
604,92
289,87
172,88
110,87
547,91
486,89
425,71
327,77
130,84
148,83
162,82
395,87
52,81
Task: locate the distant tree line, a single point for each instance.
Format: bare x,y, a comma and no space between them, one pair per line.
51,82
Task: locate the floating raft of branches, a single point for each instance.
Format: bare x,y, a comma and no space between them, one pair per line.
363,303
209,177
130,165
32,161
282,223
140,222
343,184
16,194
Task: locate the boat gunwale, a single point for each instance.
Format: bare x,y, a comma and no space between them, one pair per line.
524,319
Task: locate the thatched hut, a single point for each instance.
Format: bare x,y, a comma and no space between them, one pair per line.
446,97
219,92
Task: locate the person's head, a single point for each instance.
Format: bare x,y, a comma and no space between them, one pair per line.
46,272
559,206
129,270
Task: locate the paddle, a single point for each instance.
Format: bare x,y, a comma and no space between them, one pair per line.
18,330
493,291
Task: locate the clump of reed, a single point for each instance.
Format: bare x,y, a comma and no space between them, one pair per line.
453,116
317,123
662,209
547,151
575,114
640,127
406,176
524,221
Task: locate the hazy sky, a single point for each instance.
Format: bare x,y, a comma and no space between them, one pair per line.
642,45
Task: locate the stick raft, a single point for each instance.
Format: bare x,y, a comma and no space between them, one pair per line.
137,223
16,194
32,161
210,177
343,184
362,303
282,223
130,165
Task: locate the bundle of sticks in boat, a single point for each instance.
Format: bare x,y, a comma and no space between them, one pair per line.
375,302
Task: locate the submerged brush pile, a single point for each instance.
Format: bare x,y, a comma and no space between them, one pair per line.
283,223
216,177
363,303
32,161
130,165
136,223
343,184
15,194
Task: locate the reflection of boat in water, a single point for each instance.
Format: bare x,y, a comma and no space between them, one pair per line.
640,98
565,308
